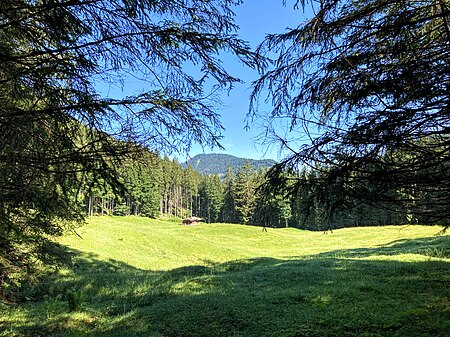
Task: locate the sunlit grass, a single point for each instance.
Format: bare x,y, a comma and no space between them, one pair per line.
141,277
158,245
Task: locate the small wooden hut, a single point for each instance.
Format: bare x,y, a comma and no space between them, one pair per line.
193,220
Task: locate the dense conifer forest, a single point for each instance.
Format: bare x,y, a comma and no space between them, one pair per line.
161,187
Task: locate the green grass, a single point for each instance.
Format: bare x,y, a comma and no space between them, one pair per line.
140,277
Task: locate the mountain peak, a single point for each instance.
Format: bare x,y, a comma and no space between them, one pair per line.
217,163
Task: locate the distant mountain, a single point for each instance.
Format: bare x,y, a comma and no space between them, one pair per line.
216,163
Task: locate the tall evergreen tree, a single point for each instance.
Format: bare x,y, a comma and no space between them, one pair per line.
272,208
55,126
228,212
370,78
245,193
191,184
211,197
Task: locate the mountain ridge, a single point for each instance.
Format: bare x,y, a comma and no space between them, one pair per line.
217,163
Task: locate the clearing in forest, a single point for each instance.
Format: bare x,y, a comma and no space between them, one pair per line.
133,276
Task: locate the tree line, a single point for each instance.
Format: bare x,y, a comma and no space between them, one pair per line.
160,187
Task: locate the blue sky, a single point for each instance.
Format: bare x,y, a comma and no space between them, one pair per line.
256,18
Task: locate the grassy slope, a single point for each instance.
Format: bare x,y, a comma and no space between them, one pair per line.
140,277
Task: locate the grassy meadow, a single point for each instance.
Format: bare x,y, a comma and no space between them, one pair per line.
140,277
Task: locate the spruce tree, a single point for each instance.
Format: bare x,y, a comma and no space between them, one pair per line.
228,212
56,126
245,193
364,85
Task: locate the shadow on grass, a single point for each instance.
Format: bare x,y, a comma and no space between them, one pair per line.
436,246
331,294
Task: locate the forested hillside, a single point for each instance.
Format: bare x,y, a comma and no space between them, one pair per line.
217,163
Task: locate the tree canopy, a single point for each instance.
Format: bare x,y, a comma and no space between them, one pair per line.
364,87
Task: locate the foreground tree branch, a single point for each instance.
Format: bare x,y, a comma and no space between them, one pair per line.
371,78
